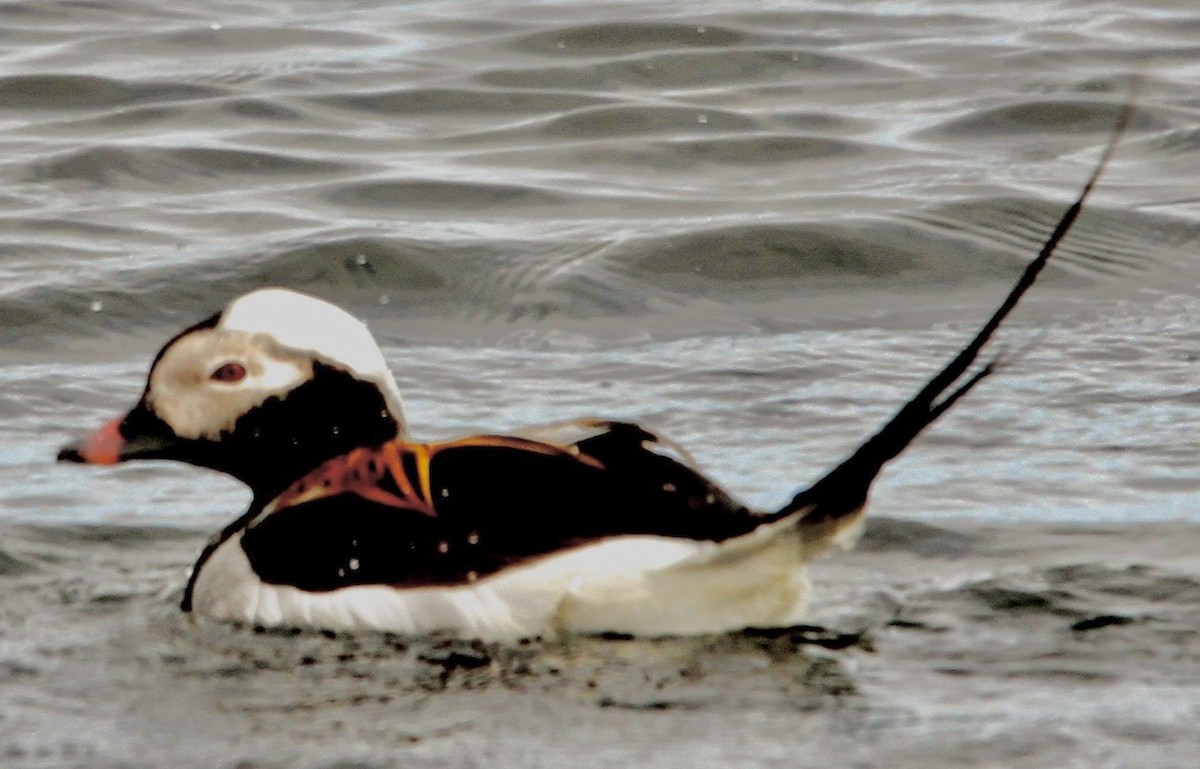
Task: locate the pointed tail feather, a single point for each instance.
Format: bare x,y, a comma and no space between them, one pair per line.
842,493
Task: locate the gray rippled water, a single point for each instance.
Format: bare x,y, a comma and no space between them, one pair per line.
755,227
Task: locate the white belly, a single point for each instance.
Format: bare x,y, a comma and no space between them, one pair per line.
643,585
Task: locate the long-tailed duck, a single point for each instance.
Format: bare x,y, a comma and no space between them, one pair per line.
586,526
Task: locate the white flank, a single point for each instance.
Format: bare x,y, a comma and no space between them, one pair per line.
635,584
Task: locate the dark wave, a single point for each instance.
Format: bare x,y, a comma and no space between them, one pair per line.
761,150
89,92
408,101
632,120
111,535
121,167
616,38
922,540
683,68
1072,593
441,195
1054,115
11,566
1107,242
243,38
668,140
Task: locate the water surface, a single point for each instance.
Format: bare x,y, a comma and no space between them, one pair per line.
754,227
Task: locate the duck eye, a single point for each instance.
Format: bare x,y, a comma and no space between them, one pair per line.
229,372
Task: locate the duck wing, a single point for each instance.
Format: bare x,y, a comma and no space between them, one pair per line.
438,514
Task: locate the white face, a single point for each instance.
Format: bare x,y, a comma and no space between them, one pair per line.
265,345
209,378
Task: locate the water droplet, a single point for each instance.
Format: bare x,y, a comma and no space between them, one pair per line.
97,306
360,260
473,538
668,487
445,493
700,30
560,45
443,547
702,119
214,26
385,299
472,576
354,564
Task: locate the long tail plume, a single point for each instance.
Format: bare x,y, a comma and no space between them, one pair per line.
843,491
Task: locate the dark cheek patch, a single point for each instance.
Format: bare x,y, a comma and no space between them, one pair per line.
285,438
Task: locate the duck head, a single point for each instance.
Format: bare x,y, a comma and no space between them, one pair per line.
266,390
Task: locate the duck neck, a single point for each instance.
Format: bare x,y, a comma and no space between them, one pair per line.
286,437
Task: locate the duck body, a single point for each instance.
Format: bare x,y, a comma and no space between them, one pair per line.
592,525
505,537
586,526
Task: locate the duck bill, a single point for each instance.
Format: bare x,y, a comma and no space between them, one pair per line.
120,440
